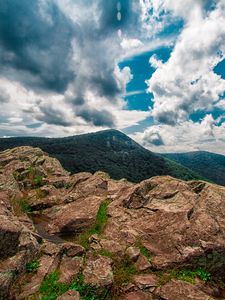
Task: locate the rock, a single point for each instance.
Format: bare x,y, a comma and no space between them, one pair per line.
10,231
51,248
98,271
133,253
69,268
6,279
180,223
177,225
70,295
137,295
176,289
74,217
71,249
146,281
112,246
142,263
48,264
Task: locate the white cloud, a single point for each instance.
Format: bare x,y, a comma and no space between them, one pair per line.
127,44
207,134
186,82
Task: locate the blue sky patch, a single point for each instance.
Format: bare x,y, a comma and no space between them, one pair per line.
220,69
142,71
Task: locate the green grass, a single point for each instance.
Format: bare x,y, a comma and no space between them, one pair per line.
25,207
51,288
185,275
144,251
123,272
97,228
32,266
106,253
38,181
88,292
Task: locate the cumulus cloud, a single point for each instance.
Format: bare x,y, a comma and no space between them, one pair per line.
4,96
152,137
60,59
186,83
31,37
207,134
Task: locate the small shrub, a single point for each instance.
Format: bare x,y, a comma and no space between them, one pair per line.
185,275
51,289
106,253
144,251
32,266
88,292
203,275
25,207
123,272
97,228
38,180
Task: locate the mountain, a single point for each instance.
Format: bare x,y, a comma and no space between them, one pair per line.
110,151
209,165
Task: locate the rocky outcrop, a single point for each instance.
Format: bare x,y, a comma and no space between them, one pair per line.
131,246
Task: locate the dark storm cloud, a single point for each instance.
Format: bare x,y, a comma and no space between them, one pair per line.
101,48
153,137
97,117
4,96
36,37
53,116
118,15
43,47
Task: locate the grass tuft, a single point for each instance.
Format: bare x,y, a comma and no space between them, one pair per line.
25,206
51,289
144,251
97,228
32,266
123,272
185,275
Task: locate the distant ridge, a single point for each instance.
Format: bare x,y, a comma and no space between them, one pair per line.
110,151
209,165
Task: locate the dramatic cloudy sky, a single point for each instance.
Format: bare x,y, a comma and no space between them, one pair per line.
154,69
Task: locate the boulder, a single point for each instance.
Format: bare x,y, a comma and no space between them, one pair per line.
133,253
70,295
176,289
74,217
137,295
69,268
179,225
146,281
98,271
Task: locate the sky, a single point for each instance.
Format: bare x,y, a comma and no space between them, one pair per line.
153,69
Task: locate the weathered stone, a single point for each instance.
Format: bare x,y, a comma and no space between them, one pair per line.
142,263
98,271
137,295
133,253
71,249
48,264
69,268
70,295
74,217
173,222
176,289
146,281
180,223
51,248
10,231
6,279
